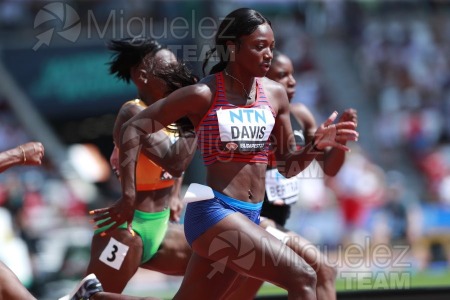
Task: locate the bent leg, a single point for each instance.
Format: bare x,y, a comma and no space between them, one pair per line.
115,259
10,286
205,279
173,255
326,273
243,289
248,249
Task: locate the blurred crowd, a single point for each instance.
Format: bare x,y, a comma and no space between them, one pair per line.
399,196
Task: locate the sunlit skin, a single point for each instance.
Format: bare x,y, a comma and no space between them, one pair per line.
282,71
30,154
174,252
243,181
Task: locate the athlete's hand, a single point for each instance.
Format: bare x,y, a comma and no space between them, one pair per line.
349,114
335,135
119,213
32,153
176,207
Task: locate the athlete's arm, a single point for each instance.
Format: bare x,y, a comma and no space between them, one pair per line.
174,158
191,101
26,154
289,161
333,157
176,204
328,134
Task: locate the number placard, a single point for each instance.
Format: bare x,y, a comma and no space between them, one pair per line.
114,253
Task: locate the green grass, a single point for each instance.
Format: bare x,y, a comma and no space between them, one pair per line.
349,282
431,279
405,279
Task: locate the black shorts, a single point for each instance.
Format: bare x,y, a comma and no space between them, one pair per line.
277,213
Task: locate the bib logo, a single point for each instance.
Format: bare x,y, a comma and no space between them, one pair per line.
62,17
231,146
166,176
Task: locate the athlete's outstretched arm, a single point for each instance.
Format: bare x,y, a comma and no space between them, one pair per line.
327,135
26,154
191,101
330,159
174,158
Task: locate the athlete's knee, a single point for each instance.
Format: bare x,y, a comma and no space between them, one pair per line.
303,278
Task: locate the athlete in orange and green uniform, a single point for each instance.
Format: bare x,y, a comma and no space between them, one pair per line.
156,243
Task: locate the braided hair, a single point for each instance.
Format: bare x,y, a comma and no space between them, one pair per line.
131,52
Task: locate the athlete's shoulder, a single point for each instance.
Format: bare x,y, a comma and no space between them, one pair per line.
205,88
209,81
132,107
137,102
193,99
271,86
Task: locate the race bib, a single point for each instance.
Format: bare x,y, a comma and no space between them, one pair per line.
244,129
279,187
114,254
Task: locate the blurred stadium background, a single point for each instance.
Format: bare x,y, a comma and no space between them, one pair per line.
388,59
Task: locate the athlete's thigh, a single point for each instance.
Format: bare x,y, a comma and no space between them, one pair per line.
205,279
173,255
115,259
249,249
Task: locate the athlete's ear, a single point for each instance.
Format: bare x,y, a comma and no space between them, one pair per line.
143,75
139,76
231,49
231,46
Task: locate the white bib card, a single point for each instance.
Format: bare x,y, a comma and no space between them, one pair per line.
244,129
114,254
279,187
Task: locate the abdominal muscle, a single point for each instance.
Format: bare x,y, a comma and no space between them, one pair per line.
239,180
153,201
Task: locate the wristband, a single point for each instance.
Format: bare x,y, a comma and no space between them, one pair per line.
24,156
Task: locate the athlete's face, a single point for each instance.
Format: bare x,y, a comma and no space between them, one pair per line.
255,51
282,71
155,87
